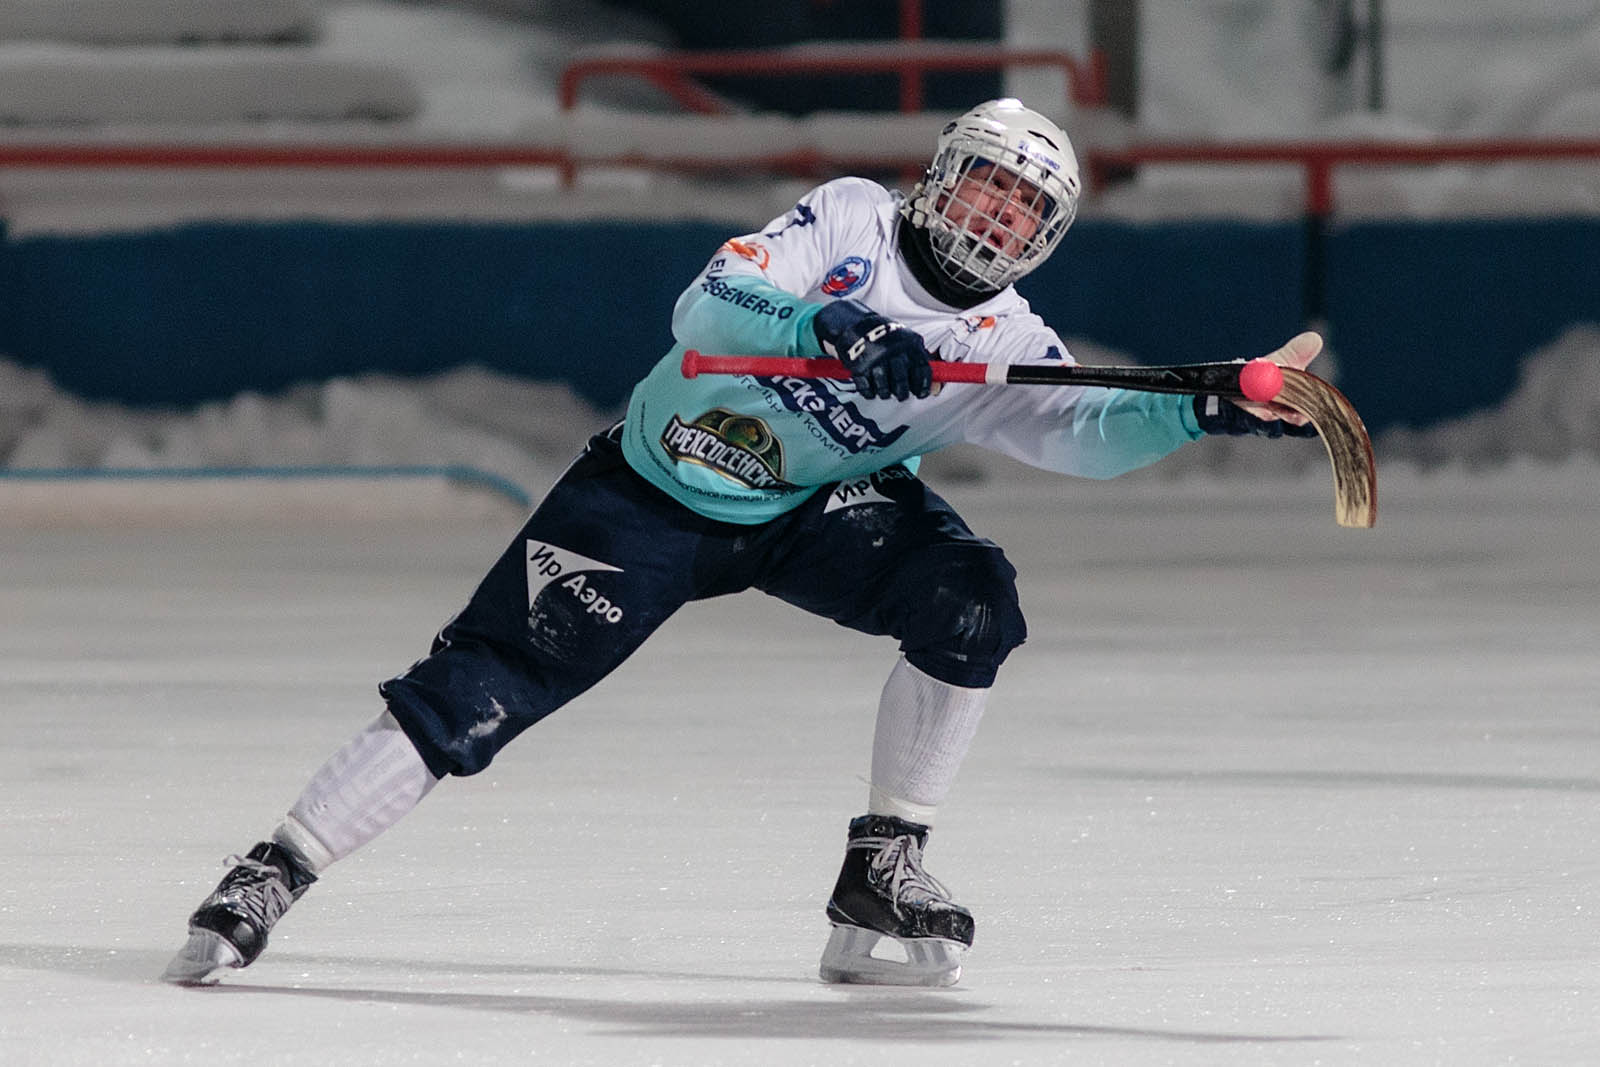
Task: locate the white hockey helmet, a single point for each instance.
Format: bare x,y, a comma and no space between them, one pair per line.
1022,197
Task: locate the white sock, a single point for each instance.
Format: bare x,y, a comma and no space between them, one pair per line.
924,730
363,789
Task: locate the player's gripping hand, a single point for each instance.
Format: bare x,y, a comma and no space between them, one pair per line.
885,358
1217,415
1241,419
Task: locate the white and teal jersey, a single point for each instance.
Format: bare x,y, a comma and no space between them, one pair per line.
746,449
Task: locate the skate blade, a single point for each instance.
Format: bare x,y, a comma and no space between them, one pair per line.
201,957
849,959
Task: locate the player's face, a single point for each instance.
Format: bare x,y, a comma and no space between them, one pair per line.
997,207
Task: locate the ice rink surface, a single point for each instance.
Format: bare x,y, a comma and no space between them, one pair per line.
1258,790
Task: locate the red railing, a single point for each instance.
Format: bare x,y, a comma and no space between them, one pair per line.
1317,159
802,159
673,72
239,156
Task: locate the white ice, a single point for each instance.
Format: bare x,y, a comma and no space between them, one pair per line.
1258,789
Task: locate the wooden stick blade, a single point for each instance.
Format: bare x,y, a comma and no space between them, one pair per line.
1355,472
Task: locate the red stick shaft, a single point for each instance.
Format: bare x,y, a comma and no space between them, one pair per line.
696,363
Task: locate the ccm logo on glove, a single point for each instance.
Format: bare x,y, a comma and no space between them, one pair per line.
885,358
877,333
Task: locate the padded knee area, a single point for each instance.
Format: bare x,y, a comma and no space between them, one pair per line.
967,619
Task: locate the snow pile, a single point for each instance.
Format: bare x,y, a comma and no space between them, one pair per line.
1553,415
520,431
526,432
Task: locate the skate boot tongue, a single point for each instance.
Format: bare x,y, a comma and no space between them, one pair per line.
893,922
897,868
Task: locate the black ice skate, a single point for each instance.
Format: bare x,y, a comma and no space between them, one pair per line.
230,927
883,894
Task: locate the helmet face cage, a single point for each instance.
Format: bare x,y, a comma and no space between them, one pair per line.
1001,191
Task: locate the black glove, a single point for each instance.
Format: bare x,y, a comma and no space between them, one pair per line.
885,358
1217,415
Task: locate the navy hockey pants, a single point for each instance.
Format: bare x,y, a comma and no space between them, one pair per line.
606,558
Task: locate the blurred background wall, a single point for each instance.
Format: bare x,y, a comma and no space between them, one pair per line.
159,286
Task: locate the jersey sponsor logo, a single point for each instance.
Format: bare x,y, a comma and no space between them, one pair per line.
974,323
741,448
754,251
548,564
847,276
868,490
837,420
854,492
756,305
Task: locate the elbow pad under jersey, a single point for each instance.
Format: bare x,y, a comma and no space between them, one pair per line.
742,314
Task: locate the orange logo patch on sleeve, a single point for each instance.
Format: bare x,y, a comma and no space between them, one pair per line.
751,250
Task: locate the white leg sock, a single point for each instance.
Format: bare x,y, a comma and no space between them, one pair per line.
361,791
924,730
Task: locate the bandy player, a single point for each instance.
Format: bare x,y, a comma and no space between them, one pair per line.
804,489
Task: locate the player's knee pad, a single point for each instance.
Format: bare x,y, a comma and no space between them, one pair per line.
967,619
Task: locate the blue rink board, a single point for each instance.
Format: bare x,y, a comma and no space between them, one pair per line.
1428,319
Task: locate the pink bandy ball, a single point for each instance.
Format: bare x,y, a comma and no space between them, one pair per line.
1260,380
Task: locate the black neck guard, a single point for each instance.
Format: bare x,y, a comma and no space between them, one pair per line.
917,250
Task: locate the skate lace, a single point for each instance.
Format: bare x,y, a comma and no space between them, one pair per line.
256,889
898,863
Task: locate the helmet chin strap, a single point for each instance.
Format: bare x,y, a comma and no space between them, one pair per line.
915,207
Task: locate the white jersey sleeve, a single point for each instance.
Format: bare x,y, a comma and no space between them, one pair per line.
1081,430
774,269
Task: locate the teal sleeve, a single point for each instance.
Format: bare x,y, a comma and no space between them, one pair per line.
741,314
1122,430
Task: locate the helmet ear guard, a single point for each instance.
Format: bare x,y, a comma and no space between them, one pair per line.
1025,161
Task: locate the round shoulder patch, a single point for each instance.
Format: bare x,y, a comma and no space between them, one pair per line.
847,276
